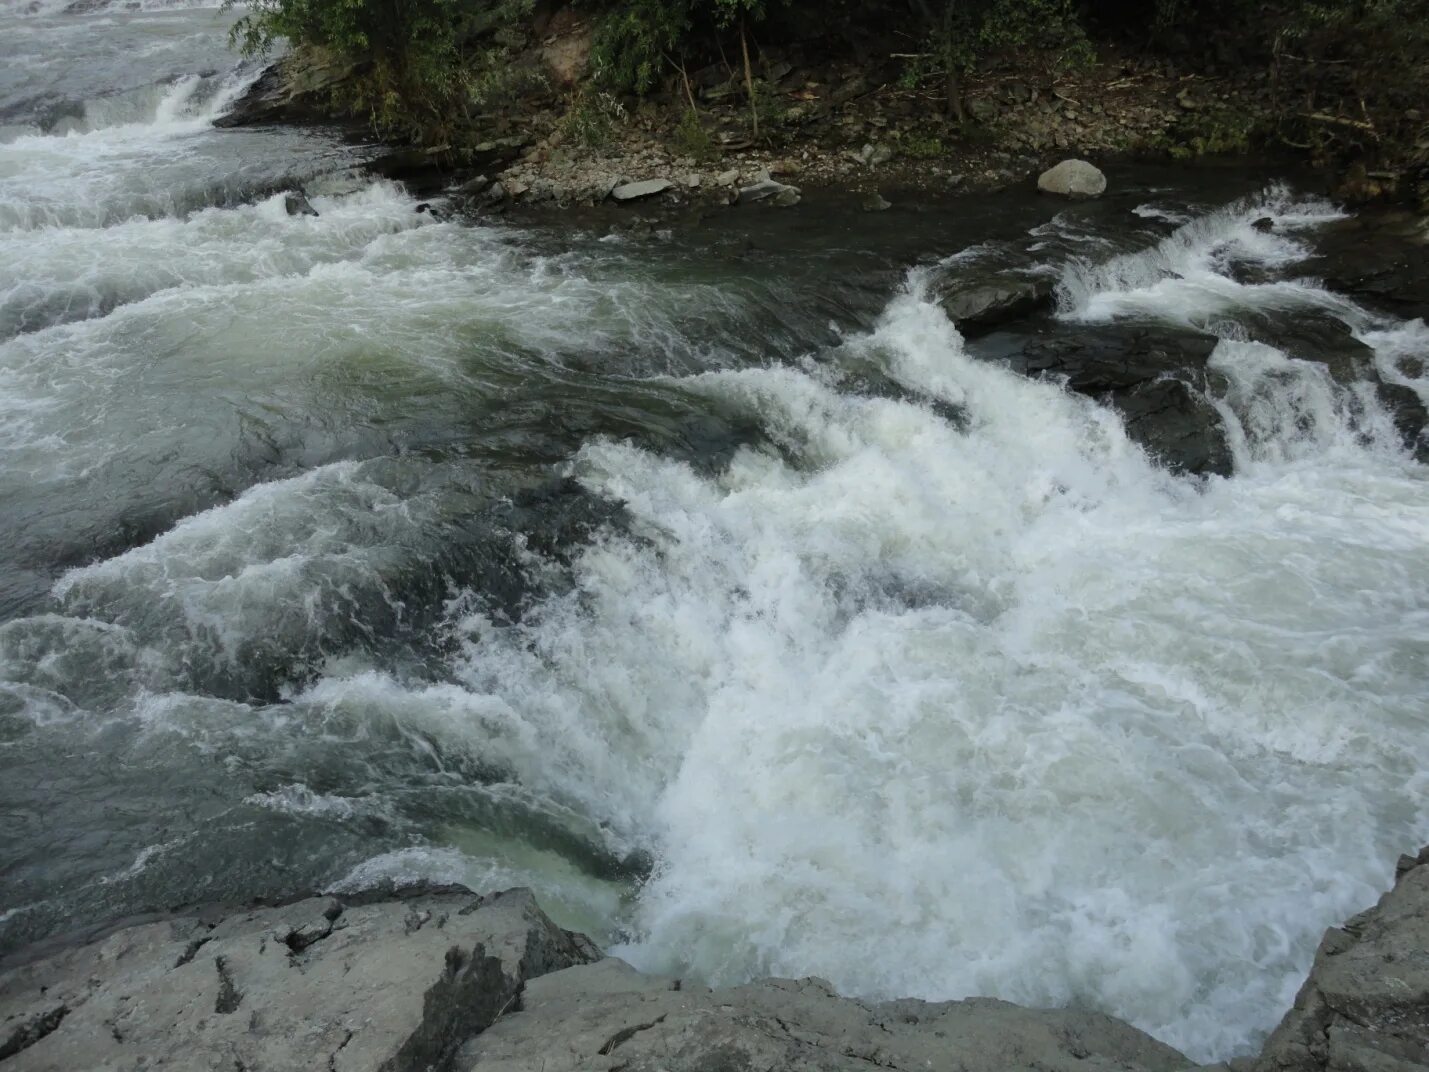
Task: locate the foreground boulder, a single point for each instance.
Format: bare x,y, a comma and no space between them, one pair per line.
1365,1006
393,985
607,1016
1072,178
438,979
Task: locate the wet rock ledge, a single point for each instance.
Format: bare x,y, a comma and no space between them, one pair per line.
430,979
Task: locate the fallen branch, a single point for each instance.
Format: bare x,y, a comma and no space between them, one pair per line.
1341,121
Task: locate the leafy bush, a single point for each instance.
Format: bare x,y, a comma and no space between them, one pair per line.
691,137
417,75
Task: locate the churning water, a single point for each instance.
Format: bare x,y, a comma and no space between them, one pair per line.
716,587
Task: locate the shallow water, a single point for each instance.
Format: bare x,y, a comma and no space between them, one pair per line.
714,585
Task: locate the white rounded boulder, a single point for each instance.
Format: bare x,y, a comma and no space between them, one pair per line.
1072,178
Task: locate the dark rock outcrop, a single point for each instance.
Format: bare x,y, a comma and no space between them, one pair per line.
1411,419
1365,1006
296,203
394,985
1381,259
976,304
296,89
1154,375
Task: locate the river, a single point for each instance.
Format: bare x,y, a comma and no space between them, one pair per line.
708,582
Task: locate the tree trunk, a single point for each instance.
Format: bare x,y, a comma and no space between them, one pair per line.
954,89
749,80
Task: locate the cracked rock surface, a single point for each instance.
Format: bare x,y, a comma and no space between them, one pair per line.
442,980
608,1017
1365,1006
387,985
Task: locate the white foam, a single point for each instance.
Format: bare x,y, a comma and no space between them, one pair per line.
1402,354
226,577
1184,277
985,708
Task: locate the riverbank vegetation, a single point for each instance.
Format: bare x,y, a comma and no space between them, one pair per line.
1342,82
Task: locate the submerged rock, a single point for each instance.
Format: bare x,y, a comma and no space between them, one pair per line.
395,985
1073,178
297,204
608,1016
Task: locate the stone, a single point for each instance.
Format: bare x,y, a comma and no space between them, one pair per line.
472,187
1072,178
692,180
296,203
727,178
635,191
299,88
1365,1005
1154,375
608,1016
876,202
1378,257
771,190
1411,419
979,303
875,155
392,983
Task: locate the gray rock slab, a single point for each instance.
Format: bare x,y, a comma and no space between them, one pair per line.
1365,1005
386,986
606,1016
634,191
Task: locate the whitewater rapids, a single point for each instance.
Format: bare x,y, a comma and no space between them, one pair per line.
763,626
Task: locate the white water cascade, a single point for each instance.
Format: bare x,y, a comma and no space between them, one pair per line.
363,545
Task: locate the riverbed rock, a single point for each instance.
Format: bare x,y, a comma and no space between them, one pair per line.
1365,1005
978,303
1155,375
1411,419
394,984
635,191
296,203
298,88
1379,257
1073,178
608,1016
768,189
439,979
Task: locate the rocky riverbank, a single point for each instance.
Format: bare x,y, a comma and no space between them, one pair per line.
827,123
441,978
